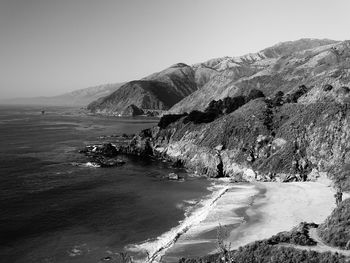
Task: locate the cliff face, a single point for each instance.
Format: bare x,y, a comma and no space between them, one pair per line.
258,141
302,134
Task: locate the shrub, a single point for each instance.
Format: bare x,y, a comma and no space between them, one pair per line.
299,235
215,109
335,230
233,103
342,178
262,252
327,87
294,96
198,117
254,94
225,106
166,120
277,99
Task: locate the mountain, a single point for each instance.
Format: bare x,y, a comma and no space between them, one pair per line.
280,67
80,97
299,129
282,115
159,91
182,88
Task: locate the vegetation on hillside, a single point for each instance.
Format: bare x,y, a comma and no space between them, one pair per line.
218,108
165,120
262,252
342,178
214,110
336,229
297,236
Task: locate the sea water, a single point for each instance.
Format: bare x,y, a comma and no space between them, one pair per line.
52,210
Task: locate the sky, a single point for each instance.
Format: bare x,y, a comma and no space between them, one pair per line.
49,47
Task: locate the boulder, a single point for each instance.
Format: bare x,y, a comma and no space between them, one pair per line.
107,150
173,176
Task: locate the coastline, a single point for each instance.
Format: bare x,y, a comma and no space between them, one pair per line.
258,212
230,211
153,250
283,206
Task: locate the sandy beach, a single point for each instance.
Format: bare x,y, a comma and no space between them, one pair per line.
283,206
256,211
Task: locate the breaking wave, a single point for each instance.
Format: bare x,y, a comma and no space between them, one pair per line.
152,250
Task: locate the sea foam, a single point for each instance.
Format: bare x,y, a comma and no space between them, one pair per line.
152,250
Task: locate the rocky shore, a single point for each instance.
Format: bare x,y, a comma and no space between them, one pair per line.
305,143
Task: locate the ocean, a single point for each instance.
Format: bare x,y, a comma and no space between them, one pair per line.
55,211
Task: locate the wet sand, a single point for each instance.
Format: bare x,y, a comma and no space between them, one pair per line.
251,212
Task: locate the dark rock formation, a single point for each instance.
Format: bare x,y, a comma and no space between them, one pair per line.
132,110
173,176
104,155
106,150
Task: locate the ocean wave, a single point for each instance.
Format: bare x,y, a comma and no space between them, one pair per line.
152,250
88,164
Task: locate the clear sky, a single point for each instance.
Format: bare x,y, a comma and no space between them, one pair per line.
48,47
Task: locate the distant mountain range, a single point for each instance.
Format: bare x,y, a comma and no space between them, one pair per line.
80,97
282,67
183,88
159,91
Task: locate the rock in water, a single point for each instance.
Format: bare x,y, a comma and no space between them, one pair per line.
173,176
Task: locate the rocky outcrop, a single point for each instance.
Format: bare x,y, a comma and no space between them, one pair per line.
300,129
257,142
132,111
103,155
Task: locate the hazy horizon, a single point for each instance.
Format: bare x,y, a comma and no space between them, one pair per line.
52,47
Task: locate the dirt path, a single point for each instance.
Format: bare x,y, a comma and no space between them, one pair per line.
321,246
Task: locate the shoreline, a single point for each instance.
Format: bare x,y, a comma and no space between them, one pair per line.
229,212
153,250
283,207
270,208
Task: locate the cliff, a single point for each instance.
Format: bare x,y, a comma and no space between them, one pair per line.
297,129
258,141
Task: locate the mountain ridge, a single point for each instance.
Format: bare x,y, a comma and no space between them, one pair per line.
158,91
258,71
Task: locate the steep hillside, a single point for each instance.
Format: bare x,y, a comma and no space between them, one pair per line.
265,139
281,67
336,231
159,91
80,97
